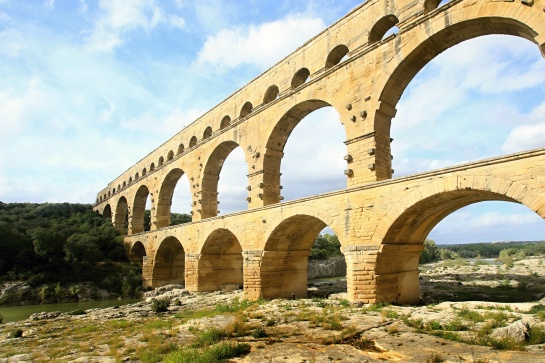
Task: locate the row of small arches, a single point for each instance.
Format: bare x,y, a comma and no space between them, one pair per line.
382,28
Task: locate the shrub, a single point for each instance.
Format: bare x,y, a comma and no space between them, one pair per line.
259,332
208,337
160,305
435,358
77,312
15,333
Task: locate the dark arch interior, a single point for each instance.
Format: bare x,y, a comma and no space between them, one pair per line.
207,133
193,141
336,55
107,212
381,27
169,263
300,77
220,264
271,94
138,251
180,149
246,109
138,210
121,215
225,121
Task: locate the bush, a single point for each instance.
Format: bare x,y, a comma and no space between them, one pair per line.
15,333
259,332
77,312
160,305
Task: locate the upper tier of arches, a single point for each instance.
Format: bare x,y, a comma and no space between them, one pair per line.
336,72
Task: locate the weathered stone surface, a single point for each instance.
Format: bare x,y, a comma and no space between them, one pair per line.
381,223
331,267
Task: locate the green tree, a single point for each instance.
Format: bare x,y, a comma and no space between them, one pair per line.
430,253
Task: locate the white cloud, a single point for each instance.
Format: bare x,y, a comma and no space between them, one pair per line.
119,17
11,43
258,45
525,137
50,4
165,126
177,21
83,6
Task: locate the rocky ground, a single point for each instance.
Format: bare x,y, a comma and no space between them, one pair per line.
307,330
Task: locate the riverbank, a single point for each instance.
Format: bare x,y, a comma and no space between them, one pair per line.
314,329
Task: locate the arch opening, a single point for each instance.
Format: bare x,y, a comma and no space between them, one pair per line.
225,121
161,161
170,155
220,263
271,94
232,187
336,55
284,267
246,109
312,162
300,78
193,141
136,176
430,5
397,267
180,149
207,133
480,114
137,253
144,172
169,263
139,222
121,215
382,27
165,216
152,167
107,213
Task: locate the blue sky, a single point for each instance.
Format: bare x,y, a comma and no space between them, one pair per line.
87,88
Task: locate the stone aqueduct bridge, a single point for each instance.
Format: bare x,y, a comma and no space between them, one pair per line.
381,222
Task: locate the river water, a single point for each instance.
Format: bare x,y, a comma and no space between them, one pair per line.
16,313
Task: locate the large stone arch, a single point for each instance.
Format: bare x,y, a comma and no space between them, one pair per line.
169,263
138,210
210,177
402,231
437,35
164,200
220,262
137,252
121,215
107,213
285,257
276,141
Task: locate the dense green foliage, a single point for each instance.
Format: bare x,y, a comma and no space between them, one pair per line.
493,250
56,243
175,219
325,246
506,252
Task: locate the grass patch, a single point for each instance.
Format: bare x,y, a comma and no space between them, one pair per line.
187,315
213,354
208,337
